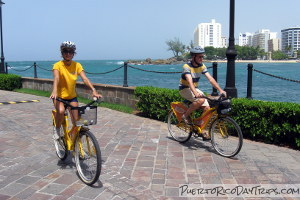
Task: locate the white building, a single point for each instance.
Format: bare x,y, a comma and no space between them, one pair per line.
208,34
290,40
261,37
245,39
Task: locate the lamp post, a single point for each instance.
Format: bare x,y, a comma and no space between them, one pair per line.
2,54
231,54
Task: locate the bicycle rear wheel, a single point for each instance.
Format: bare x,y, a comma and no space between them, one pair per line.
178,130
226,136
88,157
60,146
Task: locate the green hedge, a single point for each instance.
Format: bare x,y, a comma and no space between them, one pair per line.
10,81
270,122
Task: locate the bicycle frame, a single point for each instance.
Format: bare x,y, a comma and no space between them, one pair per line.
70,143
199,123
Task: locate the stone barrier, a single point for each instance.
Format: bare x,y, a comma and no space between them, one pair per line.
111,93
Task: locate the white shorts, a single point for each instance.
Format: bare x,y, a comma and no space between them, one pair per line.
189,95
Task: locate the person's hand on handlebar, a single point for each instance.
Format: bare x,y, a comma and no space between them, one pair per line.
223,93
53,95
96,94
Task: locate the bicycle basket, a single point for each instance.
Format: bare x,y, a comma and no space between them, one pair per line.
87,116
224,106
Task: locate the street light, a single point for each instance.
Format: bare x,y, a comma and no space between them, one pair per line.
231,54
2,54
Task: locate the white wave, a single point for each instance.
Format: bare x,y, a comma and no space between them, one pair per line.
116,62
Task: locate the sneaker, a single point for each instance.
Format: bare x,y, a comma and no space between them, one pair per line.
205,136
186,120
56,133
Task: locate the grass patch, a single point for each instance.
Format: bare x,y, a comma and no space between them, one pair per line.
118,107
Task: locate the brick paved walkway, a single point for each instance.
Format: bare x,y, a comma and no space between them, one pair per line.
140,160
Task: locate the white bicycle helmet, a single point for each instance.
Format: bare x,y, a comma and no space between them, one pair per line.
68,45
196,50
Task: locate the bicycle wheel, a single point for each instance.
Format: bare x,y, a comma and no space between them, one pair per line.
88,157
226,136
60,147
178,130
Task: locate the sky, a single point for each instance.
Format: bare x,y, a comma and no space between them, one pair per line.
128,29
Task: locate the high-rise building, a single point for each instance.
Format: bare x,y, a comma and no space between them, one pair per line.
208,34
274,45
290,40
261,37
245,39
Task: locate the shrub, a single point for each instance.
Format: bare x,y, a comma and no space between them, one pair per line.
10,81
155,102
271,122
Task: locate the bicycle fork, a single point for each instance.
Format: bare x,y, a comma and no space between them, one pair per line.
223,129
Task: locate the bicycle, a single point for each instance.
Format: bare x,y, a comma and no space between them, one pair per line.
84,144
225,134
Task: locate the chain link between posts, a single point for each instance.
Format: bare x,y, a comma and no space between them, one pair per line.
282,78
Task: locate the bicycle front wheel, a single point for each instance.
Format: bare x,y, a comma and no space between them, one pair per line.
226,136
178,130
60,146
88,157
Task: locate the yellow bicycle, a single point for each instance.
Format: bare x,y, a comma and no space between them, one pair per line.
84,144
225,134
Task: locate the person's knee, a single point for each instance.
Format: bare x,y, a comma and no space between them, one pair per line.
60,111
205,108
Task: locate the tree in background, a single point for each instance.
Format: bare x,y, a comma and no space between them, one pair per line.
176,46
279,55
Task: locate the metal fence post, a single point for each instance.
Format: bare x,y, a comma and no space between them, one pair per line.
35,72
249,83
6,68
215,75
125,84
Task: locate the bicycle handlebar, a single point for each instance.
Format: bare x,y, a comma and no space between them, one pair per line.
95,99
219,99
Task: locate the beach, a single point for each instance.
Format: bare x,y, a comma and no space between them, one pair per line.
258,61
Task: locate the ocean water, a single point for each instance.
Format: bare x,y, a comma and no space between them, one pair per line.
264,87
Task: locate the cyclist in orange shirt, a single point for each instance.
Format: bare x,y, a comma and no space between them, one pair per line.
65,74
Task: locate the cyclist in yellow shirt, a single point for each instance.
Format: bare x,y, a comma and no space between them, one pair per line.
65,74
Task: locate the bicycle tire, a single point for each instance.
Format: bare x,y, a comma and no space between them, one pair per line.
88,157
178,130
60,146
226,136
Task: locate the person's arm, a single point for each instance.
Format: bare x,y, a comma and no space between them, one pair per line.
89,84
55,84
214,83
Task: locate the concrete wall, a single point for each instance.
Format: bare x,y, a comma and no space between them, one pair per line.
110,93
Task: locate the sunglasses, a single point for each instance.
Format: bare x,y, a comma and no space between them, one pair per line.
65,51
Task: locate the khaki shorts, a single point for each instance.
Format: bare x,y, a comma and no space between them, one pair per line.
189,95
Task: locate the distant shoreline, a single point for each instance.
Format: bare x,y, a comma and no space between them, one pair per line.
258,61
173,61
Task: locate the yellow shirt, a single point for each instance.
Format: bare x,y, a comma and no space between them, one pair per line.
67,79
